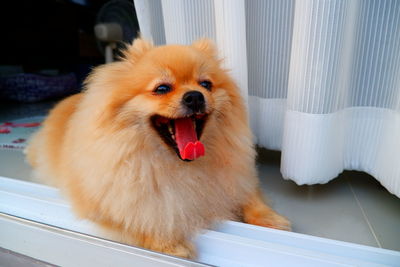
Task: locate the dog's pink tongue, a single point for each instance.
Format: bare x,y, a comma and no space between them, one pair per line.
186,139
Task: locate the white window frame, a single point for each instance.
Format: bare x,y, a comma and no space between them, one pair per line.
36,221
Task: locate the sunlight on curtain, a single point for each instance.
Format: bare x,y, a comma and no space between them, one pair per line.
343,92
322,77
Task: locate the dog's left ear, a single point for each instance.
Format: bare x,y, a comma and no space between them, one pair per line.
206,46
137,49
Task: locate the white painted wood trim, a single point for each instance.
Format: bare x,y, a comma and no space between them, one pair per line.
229,244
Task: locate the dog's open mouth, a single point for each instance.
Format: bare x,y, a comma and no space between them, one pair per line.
182,134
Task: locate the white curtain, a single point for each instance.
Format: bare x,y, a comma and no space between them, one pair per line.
322,78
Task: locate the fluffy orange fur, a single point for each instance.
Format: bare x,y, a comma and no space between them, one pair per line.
100,149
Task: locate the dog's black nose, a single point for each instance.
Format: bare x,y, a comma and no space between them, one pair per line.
194,100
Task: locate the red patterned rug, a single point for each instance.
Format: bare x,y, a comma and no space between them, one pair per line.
15,134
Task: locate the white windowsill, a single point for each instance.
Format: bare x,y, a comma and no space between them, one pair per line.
230,244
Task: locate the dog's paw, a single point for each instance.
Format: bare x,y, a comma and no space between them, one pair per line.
183,250
269,219
179,248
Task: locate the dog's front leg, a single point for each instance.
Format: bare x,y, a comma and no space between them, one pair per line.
180,248
256,211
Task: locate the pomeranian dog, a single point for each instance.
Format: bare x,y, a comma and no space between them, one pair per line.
155,148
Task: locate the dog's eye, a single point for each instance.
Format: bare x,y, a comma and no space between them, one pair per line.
206,84
162,89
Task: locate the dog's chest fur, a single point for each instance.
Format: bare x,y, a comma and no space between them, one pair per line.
172,200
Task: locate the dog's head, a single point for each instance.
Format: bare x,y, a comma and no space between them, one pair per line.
175,94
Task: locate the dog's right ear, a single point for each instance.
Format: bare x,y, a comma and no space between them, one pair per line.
137,49
206,46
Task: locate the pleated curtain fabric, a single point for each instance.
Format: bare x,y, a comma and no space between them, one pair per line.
321,78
